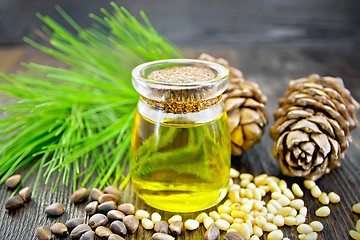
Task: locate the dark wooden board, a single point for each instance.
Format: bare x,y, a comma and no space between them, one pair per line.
271,68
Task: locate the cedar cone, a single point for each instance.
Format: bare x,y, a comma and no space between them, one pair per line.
244,104
312,126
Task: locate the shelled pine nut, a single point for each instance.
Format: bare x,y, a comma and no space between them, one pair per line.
246,176
222,224
244,230
275,235
303,211
276,195
310,236
191,224
269,217
147,223
260,221
315,191
254,237
155,217
175,218
268,227
234,173
355,235
297,190
333,197
293,212
227,217
284,201
282,185
279,220
207,222
297,204
304,229
141,214
287,192
324,199
316,226
300,219
356,208
224,209
286,211
309,184
290,221
214,215
257,231
200,218
323,211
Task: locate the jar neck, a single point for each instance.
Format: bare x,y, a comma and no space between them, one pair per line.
182,107
172,80
157,114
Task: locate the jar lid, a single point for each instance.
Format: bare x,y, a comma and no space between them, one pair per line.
180,80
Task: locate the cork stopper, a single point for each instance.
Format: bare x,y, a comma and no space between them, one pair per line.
182,74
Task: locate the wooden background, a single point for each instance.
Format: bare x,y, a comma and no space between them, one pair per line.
271,41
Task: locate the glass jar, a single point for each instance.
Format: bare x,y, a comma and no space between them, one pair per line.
180,143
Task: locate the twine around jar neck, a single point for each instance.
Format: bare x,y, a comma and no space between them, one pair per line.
183,107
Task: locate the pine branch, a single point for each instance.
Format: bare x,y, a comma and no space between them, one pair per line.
76,121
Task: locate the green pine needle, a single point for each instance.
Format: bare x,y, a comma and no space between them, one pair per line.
76,121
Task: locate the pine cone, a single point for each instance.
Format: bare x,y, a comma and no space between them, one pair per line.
312,126
244,104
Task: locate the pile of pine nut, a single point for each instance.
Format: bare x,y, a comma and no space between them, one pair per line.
243,215
355,234
246,212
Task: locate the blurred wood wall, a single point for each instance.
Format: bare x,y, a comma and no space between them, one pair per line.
314,24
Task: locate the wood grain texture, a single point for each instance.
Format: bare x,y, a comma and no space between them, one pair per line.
272,68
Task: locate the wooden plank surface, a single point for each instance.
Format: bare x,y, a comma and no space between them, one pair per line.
271,68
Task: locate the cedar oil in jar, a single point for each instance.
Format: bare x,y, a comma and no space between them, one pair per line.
181,141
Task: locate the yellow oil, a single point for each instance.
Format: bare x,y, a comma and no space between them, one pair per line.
180,166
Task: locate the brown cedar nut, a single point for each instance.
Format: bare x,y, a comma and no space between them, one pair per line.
113,215
98,220
112,190
43,233
14,202
176,227
127,208
59,229
25,194
108,197
115,237
72,223
161,236
79,195
79,230
13,181
103,232
91,208
118,227
106,207
212,233
95,194
233,236
55,210
131,222
89,235
161,227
